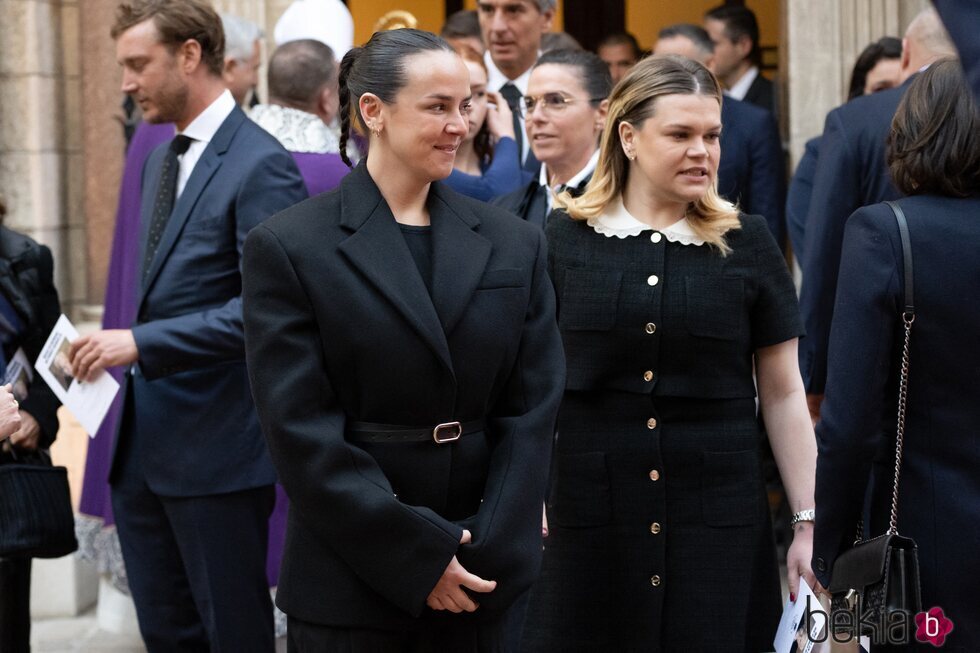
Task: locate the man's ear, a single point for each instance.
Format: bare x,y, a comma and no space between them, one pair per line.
547,20
189,55
744,45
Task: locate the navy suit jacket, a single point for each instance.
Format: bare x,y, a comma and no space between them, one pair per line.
751,168
192,402
939,493
962,21
851,173
798,197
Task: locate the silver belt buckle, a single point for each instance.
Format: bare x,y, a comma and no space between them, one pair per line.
454,428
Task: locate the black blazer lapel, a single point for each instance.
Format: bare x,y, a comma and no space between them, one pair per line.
205,168
460,255
378,250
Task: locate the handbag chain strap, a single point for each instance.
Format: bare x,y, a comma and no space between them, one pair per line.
908,317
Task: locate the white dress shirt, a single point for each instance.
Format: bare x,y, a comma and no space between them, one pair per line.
202,129
496,81
741,87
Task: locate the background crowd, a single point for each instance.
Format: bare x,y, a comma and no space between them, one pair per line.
658,181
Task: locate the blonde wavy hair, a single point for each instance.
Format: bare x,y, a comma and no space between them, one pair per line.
634,101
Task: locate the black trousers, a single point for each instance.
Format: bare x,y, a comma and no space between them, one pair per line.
447,634
195,565
15,605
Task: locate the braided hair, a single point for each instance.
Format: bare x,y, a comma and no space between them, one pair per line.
378,67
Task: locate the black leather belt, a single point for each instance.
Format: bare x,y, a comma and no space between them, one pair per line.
440,434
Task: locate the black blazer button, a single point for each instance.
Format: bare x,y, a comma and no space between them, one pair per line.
821,565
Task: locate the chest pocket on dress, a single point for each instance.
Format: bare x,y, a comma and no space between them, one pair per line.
714,306
588,299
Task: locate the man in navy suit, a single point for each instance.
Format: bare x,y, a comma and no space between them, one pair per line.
734,31
962,20
192,483
751,168
851,173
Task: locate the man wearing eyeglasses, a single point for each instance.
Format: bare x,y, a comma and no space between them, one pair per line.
512,31
565,111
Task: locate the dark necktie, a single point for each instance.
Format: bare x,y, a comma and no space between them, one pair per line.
163,204
513,97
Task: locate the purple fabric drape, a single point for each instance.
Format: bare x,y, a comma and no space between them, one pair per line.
120,311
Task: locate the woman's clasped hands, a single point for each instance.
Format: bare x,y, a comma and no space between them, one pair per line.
448,593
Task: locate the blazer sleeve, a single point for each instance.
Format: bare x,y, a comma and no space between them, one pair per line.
836,194
503,176
41,402
216,335
767,187
506,531
337,489
862,355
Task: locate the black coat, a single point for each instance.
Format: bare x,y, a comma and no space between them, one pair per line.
339,327
27,281
851,173
939,493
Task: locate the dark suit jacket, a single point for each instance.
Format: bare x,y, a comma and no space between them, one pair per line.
762,93
851,173
798,197
530,203
340,327
962,21
197,426
27,281
751,167
939,493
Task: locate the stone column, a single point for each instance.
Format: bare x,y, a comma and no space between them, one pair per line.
104,145
820,42
40,133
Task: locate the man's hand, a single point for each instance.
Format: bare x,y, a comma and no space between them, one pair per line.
448,595
29,435
91,354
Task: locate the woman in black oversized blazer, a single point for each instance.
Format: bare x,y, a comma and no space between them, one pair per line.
352,335
27,285
934,156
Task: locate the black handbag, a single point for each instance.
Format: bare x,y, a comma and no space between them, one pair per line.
36,519
881,575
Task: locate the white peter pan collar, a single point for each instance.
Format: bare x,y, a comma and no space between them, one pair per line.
617,221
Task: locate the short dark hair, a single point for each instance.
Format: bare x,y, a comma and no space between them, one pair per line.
559,41
887,47
934,143
462,24
694,33
178,21
298,71
739,21
378,67
593,70
622,38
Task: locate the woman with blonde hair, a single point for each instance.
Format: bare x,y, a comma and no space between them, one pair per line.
660,536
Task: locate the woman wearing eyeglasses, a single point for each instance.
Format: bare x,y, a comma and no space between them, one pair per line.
564,110
673,308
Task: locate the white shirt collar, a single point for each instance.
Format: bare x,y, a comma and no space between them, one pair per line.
571,183
496,79
617,221
741,87
204,127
